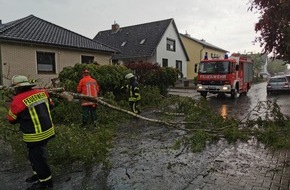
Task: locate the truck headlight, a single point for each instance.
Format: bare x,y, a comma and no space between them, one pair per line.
225,88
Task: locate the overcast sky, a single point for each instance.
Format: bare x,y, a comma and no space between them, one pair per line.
223,23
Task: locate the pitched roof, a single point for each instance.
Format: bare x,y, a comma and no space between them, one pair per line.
132,36
32,29
204,43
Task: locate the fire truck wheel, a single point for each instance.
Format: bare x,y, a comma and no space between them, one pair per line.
234,93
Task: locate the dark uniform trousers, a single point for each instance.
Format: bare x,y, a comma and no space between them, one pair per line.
89,114
37,155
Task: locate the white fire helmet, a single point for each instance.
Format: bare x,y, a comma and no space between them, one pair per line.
128,76
19,80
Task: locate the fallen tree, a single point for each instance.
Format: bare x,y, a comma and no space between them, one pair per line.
70,96
266,116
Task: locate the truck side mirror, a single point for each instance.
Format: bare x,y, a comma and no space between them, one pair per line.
195,68
237,67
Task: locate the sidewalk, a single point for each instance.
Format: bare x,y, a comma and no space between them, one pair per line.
246,166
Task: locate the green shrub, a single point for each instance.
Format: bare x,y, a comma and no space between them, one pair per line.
109,77
73,143
150,96
65,112
149,74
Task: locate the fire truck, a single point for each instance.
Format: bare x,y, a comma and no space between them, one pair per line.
231,75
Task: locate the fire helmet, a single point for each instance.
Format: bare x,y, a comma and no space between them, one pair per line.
128,76
19,80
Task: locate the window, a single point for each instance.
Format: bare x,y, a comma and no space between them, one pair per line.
170,44
87,59
214,67
278,79
164,62
45,62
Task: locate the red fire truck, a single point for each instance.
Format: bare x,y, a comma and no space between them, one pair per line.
231,75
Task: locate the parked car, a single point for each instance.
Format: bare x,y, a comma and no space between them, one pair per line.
280,83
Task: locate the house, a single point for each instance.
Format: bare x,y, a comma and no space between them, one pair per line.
40,50
155,42
196,50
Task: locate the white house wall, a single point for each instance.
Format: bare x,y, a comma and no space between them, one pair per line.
172,56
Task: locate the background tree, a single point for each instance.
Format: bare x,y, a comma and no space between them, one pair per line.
276,66
258,63
274,27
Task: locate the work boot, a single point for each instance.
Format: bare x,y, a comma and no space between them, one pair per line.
46,185
32,179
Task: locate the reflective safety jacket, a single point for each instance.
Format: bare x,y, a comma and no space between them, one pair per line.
32,110
134,92
89,87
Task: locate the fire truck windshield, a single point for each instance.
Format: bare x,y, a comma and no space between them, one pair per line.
214,67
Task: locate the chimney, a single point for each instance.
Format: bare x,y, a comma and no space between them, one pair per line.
0,21
186,34
115,27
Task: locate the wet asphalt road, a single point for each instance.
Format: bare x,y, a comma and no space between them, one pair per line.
243,104
143,159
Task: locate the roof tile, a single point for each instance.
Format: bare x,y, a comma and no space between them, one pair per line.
35,30
152,33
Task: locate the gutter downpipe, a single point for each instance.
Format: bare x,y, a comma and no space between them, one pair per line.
200,53
1,69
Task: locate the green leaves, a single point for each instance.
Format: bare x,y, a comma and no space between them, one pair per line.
74,143
111,77
149,74
273,27
108,76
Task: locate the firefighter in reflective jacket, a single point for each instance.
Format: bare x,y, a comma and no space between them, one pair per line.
88,86
134,93
31,108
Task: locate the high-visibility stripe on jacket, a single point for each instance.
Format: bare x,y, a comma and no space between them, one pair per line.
134,92
32,110
89,87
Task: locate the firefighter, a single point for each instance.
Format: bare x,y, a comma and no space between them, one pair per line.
31,109
88,86
134,93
